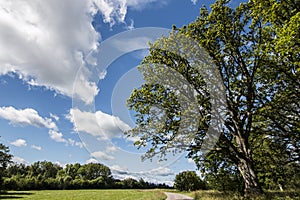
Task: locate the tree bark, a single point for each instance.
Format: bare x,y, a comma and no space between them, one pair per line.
252,186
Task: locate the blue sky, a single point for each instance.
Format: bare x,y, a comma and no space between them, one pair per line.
51,107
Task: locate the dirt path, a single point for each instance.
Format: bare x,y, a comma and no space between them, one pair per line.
175,196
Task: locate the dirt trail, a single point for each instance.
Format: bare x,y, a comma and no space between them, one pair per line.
175,196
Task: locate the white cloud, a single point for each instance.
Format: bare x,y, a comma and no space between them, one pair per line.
26,117
131,25
110,149
92,160
114,11
74,143
63,165
101,155
158,175
44,42
39,148
194,1
162,171
98,124
19,143
17,159
55,117
119,170
57,136
111,125
84,121
30,117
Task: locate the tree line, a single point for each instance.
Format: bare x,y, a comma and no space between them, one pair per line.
45,175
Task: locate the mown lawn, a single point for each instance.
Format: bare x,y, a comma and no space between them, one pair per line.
85,194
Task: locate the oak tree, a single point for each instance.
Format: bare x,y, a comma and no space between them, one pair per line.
255,52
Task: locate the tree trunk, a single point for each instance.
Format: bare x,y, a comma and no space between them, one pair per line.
252,186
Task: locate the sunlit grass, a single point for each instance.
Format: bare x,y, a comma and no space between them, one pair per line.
86,194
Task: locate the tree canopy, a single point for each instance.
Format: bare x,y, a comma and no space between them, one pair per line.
5,159
254,49
188,181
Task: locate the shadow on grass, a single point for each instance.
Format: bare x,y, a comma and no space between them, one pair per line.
14,195
269,195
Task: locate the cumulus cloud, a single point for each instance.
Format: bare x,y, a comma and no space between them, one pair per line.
45,42
114,11
17,159
39,148
26,117
30,117
101,155
57,136
19,143
98,124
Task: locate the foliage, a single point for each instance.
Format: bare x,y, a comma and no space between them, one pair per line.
188,181
255,49
5,159
224,178
45,175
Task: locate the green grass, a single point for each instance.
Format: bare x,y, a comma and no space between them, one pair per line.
216,195
269,195
85,194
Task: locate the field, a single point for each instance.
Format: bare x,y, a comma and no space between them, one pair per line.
216,195
85,194
136,195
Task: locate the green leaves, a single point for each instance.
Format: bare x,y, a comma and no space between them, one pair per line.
188,181
5,159
255,51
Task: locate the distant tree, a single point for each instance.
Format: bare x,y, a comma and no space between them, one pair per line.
49,169
72,170
94,170
5,159
130,183
17,169
188,181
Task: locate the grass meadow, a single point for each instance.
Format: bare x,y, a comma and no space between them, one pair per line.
269,195
138,195
85,194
